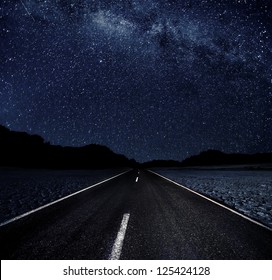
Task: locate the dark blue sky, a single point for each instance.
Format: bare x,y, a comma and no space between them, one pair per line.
151,79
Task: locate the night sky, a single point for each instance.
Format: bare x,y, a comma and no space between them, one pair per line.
151,79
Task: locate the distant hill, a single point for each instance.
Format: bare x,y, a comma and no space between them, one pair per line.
161,163
214,157
21,149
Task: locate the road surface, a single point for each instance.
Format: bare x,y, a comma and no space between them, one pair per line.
137,215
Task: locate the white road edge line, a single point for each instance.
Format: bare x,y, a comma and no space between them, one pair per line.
213,201
58,200
118,244
137,179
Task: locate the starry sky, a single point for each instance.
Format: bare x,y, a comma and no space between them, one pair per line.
151,79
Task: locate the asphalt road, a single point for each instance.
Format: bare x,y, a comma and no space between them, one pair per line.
152,219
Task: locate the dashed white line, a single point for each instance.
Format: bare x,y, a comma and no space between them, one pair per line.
118,244
137,179
58,200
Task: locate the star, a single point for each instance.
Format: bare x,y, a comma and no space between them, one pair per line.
149,79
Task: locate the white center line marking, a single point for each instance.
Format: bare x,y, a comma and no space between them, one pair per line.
137,179
118,244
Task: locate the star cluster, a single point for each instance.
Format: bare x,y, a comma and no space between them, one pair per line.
151,79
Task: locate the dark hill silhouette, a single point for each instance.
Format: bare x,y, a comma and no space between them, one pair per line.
161,163
214,157
23,150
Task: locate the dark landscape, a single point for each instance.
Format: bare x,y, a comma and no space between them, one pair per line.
20,149
35,174
165,222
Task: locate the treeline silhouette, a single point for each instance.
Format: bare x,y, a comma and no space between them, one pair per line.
19,149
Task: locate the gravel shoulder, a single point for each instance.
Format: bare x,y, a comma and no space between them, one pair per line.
249,192
22,190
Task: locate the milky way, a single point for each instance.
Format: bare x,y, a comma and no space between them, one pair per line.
151,79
